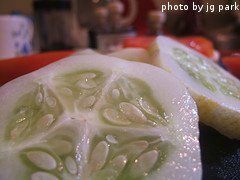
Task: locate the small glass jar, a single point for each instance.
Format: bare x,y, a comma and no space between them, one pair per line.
56,25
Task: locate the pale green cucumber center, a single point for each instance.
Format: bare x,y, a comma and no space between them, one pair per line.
130,101
80,90
122,155
206,73
35,112
90,125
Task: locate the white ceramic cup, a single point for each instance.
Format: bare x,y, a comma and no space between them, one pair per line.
16,33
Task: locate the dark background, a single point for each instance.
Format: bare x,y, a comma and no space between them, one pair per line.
220,155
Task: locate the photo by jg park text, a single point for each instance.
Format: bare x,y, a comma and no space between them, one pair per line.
200,8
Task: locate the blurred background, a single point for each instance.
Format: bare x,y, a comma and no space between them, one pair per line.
76,24
49,30
26,7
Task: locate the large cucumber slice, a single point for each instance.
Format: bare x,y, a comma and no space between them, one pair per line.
216,92
96,117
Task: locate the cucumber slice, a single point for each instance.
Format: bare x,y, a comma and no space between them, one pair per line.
132,54
216,92
96,117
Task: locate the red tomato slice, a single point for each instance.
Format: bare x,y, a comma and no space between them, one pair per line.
15,67
139,42
200,44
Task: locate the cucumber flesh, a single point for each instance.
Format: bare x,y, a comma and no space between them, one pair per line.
86,121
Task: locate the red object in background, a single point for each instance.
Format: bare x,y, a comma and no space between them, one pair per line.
15,67
232,63
143,8
138,42
198,43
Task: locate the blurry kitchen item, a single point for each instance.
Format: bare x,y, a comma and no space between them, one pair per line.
117,21
183,22
16,32
101,20
57,26
228,37
110,27
112,10
107,43
156,19
92,15
191,23
237,13
142,16
84,10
